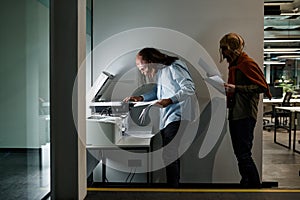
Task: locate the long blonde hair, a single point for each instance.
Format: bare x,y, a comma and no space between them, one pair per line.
233,42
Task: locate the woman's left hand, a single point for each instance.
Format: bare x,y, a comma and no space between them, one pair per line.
229,87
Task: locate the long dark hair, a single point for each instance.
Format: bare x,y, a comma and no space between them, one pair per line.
152,55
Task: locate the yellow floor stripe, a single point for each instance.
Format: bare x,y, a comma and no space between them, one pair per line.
192,190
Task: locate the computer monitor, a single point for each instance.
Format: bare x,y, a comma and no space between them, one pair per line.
276,91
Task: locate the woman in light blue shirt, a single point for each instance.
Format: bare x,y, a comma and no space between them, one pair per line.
174,89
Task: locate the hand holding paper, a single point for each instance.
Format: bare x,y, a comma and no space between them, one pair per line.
217,82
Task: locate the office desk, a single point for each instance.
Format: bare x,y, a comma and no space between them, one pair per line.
293,111
278,101
269,108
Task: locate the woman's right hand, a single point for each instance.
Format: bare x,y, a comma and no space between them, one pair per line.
133,98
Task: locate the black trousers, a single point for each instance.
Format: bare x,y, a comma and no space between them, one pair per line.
171,137
241,132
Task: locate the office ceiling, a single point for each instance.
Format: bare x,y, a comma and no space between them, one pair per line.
281,30
282,19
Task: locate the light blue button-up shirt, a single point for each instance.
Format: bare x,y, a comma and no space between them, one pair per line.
173,82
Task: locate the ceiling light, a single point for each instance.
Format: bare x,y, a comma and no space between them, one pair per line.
277,1
290,13
281,49
286,40
268,62
294,57
282,52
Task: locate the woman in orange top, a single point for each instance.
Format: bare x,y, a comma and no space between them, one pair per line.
245,82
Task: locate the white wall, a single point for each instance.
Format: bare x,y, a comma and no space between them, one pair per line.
204,21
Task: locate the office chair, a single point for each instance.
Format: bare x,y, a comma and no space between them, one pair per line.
282,121
281,115
268,120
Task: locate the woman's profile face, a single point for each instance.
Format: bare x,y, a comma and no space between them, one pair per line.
228,54
147,69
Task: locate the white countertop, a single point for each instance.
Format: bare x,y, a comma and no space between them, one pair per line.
280,100
292,108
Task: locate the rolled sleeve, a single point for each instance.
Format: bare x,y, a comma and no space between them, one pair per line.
150,95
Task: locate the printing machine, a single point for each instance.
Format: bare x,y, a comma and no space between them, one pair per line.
110,131
100,112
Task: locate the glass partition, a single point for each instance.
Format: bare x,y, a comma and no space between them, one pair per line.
24,100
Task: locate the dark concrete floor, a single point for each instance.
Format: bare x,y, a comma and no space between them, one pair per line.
21,176
280,164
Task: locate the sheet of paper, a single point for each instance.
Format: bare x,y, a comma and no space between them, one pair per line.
217,82
144,112
217,79
144,103
210,69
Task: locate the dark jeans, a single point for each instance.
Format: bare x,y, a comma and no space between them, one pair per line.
241,132
170,151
